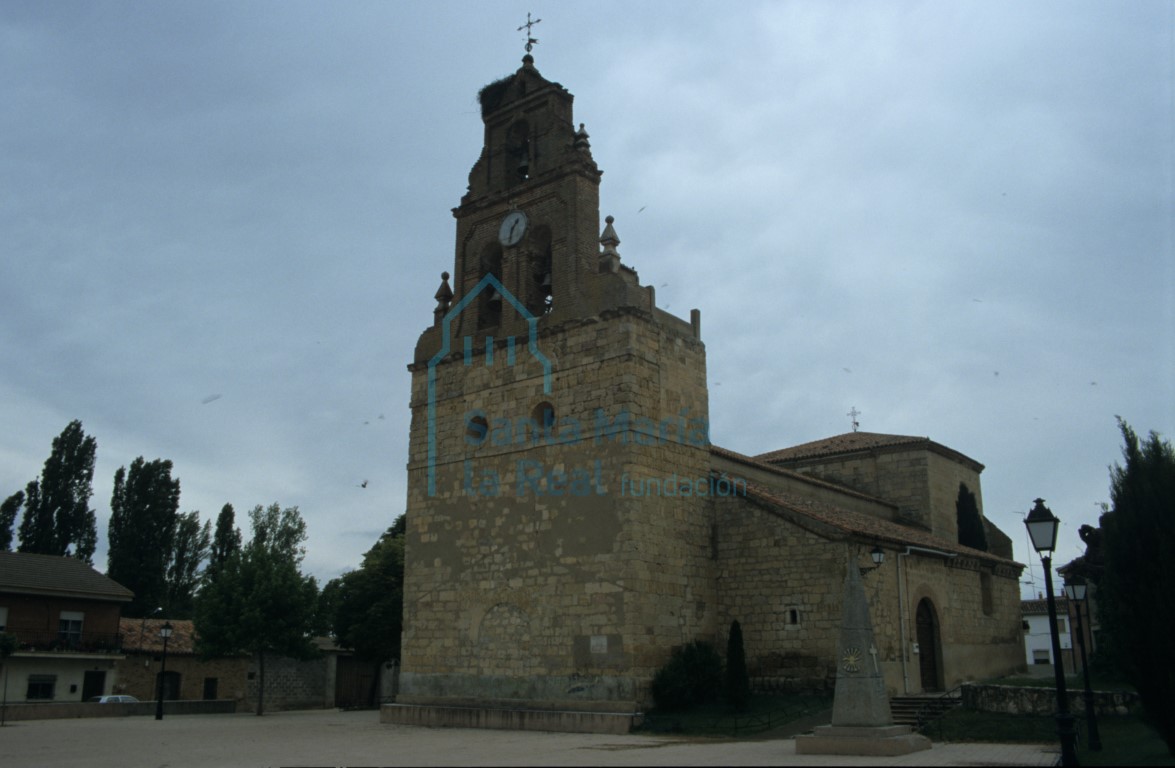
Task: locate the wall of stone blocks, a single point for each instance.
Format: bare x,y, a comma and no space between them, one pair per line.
944,477
769,566
293,683
899,478
573,585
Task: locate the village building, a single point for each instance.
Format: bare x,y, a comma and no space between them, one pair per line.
64,616
569,522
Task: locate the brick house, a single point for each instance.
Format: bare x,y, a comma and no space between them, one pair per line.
65,616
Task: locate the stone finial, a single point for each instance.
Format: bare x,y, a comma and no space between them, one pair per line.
581,140
609,257
444,297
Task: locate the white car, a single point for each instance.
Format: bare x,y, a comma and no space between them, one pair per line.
114,699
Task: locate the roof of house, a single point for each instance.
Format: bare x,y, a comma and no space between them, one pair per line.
57,576
1041,607
820,517
143,635
856,442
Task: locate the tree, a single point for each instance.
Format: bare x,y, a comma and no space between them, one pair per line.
368,604
8,511
257,601
143,511
226,542
57,517
970,523
738,683
1138,537
189,548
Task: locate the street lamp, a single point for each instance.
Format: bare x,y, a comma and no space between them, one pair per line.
1042,529
165,633
1076,593
878,557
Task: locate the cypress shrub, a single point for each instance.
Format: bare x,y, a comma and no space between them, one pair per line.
738,683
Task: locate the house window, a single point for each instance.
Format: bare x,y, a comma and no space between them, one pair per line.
41,687
1061,629
1040,656
3,618
69,628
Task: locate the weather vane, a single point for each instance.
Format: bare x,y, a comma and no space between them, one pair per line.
530,41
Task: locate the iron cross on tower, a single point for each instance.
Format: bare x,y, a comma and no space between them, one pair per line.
853,414
530,41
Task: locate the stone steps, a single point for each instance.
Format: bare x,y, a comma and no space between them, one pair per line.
919,710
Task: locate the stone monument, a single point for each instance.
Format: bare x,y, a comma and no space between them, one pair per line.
862,723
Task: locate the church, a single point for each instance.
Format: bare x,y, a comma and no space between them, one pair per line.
569,522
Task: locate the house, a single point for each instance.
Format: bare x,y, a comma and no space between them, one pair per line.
1038,644
187,677
333,678
65,617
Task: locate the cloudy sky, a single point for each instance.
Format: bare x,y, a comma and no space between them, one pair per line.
222,224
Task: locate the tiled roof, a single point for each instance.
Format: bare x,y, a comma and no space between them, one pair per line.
143,635
853,442
861,525
54,575
1041,607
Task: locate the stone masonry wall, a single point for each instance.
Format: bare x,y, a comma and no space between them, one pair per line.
944,477
545,571
769,567
292,684
899,478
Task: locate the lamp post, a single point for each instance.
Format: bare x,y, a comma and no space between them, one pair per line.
165,633
878,557
1042,529
1076,593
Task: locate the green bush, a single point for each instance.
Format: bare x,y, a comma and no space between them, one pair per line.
693,676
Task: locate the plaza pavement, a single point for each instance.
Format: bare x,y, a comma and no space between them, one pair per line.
335,738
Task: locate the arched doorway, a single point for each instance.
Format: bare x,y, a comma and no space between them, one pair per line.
928,645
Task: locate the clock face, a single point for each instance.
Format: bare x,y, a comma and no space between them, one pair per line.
513,228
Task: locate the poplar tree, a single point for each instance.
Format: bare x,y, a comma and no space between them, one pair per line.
8,511
189,548
57,518
143,511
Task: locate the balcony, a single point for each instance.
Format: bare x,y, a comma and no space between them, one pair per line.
45,641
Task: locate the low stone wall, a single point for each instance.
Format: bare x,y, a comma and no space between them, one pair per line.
64,710
434,716
1042,701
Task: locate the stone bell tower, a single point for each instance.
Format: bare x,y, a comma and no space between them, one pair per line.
558,535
